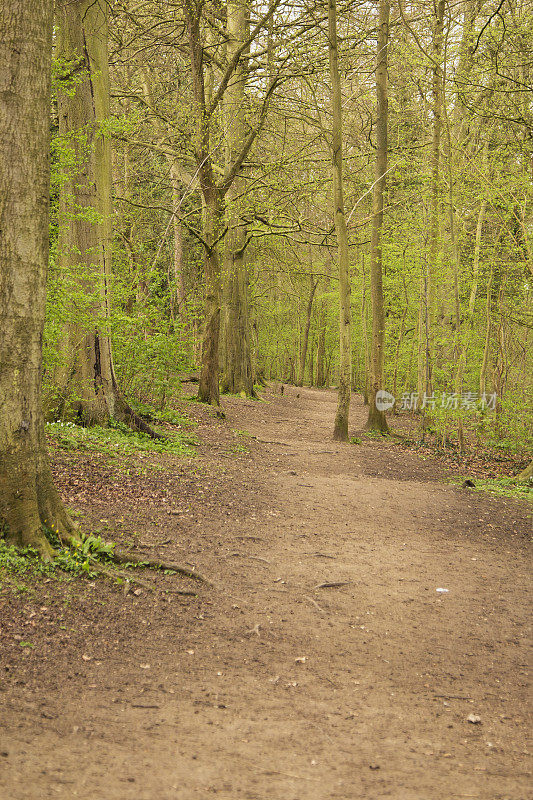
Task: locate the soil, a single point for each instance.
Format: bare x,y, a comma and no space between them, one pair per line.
324,662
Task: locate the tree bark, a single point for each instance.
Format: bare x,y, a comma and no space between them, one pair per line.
177,261
238,374
340,430
435,193
90,386
364,332
321,348
305,333
28,498
376,418
488,331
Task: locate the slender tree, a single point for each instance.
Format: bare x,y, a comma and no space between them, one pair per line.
87,378
205,103
237,373
340,430
376,417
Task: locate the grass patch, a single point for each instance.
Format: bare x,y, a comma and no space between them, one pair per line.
169,415
238,450
505,487
117,440
372,434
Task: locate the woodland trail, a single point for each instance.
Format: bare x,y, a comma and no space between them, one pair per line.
268,688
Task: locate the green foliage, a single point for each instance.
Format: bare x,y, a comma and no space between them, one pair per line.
116,440
507,487
76,560
15,562
167,414
238,450
508,429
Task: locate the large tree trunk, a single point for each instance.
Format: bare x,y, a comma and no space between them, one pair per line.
28,498
340,430
376,417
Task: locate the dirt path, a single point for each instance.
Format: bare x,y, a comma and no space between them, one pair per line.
268,688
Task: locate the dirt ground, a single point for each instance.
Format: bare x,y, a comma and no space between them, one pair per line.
269,686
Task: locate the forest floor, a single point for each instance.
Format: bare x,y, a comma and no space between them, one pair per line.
266,686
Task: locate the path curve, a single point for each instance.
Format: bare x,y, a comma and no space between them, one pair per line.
273,689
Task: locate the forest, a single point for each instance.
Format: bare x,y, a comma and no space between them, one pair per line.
245,244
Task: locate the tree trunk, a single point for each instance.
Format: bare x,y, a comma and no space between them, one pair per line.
208,387
90,387
364,331
467,335
305,336
434,200
340,430
28,498
321,348
213,216
177,261
400,339
376,418
238,375
488,330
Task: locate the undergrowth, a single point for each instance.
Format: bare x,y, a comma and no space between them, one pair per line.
506,487
16,563
170,415
118,439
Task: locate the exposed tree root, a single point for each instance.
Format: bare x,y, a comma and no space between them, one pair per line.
121,557
130,418
526,474
100,410
112,572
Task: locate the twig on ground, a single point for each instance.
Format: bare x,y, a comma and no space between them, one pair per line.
255,629
314,602
452,697
255,558
321,555
331,584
